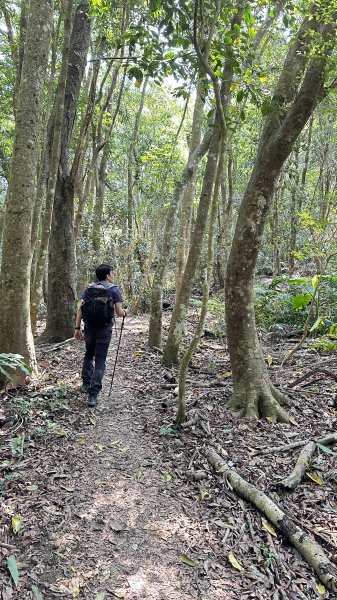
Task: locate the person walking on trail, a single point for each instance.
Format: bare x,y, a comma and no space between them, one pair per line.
99,303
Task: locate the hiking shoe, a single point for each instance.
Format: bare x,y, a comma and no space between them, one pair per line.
84,388
92,401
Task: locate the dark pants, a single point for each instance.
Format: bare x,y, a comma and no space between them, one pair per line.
96,349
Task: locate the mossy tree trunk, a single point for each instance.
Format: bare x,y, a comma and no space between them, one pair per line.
15,331
298,91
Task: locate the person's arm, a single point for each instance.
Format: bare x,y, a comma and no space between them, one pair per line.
120,311
77,334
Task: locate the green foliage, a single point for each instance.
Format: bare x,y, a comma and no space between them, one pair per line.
286,302
12,362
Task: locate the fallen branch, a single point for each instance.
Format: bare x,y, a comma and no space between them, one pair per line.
302,464
313,372
308,548
56,346
328,440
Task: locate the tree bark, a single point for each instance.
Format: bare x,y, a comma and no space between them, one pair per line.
53,168
184,230
15,331
298,91
155,327
222,98
131,183
171,349
62,267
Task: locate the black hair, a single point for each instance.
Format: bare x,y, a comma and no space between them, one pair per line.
102,271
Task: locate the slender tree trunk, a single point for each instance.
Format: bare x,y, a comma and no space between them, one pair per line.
226,222
131,204
155,327
274,228
222,98
185,222
293,215
62,267
170,355
15,330
53,167
181,414
300,88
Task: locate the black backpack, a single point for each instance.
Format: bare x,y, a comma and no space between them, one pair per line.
97,308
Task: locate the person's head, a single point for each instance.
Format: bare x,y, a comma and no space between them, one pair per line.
103,272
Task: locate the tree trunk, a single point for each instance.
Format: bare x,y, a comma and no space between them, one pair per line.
155,327
131,204
53,168
15,331
298,91
170,355
184,230
62,267
181,414
293,214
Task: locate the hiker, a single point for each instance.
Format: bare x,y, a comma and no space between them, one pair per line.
99,302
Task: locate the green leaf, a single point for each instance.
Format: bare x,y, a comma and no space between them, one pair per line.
36,592
301,301
319,321
100,596
315,281
187,560
265,108
326,449
240,96
298,280
13,569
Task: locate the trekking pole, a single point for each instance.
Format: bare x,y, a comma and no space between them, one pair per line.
119,343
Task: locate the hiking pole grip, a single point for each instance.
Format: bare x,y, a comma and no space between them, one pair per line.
117,351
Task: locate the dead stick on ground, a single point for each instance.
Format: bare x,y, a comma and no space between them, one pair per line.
308,548
328,440
313,372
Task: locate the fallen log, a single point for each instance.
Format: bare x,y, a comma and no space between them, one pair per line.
306,546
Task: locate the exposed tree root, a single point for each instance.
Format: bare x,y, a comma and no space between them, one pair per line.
264,401
329,439
302,464
308,547
314,372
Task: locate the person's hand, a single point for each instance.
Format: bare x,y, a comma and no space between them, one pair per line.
78,334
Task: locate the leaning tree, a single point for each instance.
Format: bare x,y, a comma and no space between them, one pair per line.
300,87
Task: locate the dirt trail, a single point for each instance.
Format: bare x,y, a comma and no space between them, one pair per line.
109,520
105,506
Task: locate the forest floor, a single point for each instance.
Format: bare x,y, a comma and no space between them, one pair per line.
106,503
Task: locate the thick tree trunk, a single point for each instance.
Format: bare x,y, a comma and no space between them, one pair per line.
62,267
53,168
299,89
15,330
